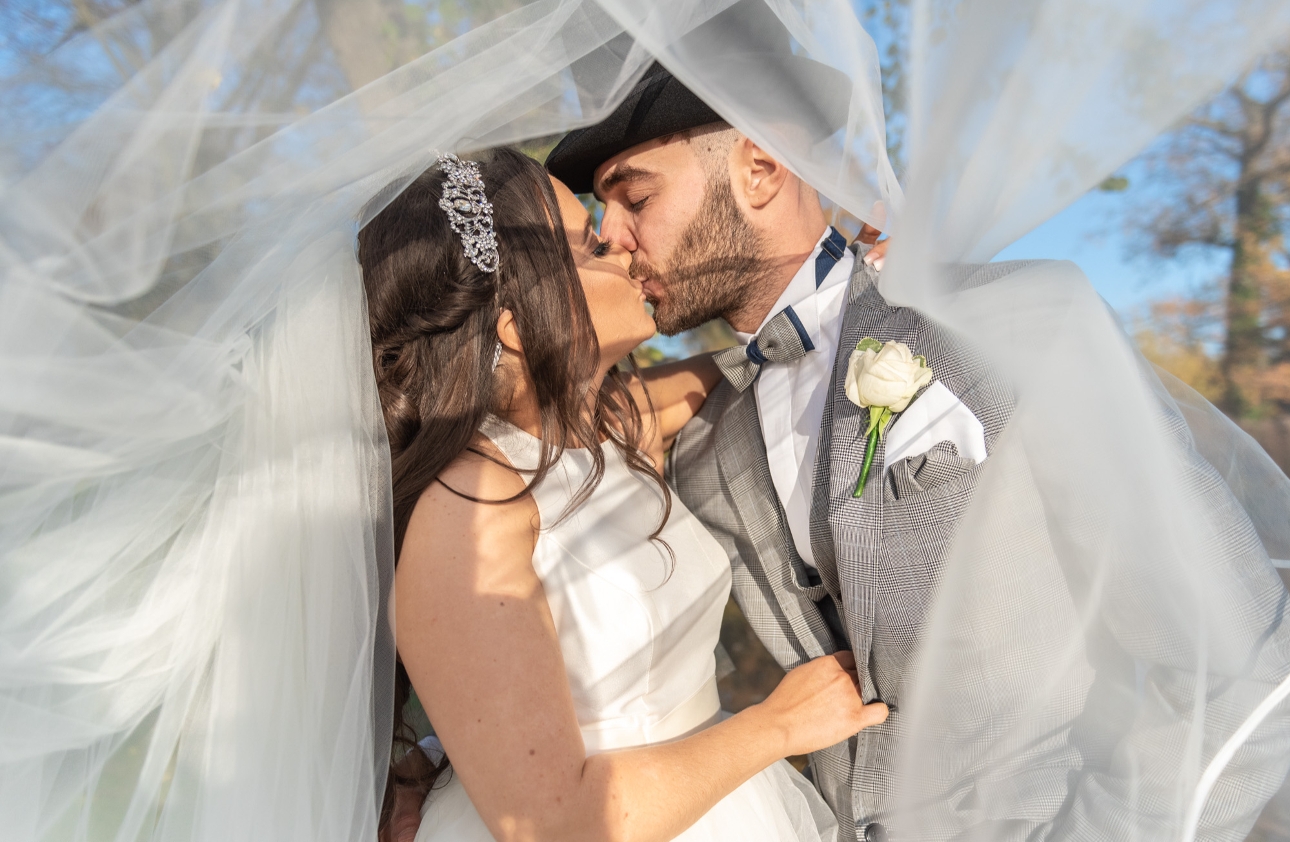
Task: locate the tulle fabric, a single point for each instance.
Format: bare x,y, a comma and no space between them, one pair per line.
777,805
195,525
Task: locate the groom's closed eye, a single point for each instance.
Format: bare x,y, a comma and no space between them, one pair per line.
624,174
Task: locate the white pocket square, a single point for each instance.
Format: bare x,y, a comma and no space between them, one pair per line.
936,416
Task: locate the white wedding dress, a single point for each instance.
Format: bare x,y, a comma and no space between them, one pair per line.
638,630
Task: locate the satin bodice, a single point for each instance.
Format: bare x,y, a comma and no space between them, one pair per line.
637,624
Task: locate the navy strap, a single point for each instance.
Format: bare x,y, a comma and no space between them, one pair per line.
831,251
800,328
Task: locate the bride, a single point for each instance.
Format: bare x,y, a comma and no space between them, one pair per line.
556,609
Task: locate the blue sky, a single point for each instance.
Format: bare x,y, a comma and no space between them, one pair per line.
1092,232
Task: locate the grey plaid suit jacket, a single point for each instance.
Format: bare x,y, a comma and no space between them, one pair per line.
880,558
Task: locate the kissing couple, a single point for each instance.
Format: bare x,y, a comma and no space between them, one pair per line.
569,527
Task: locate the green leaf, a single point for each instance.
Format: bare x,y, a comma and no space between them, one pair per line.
875,415
868,344
922,361
884,421
878,418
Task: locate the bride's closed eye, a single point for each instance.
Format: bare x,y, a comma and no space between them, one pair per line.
602,248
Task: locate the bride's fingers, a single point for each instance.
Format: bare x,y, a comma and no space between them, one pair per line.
846,659
874,713
868,234
877,255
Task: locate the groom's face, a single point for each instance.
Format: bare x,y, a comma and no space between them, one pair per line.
693,249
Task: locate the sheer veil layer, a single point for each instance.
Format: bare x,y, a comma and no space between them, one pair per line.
195,527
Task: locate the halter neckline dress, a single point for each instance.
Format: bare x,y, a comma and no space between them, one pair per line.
637,628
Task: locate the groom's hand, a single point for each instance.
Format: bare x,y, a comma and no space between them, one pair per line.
818,704
406,817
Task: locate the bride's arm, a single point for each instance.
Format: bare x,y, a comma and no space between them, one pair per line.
478,640
676,391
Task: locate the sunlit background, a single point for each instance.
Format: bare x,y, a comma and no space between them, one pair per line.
1187,242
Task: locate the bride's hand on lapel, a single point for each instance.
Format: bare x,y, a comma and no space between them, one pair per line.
818,704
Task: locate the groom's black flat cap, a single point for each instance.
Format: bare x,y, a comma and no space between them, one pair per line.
659,105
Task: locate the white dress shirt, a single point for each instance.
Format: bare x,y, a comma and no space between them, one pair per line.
790,396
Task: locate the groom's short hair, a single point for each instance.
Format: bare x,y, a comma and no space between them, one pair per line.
712,144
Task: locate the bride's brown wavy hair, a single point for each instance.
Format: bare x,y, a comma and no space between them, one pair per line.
433,319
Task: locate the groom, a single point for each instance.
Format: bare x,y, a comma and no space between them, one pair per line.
720,229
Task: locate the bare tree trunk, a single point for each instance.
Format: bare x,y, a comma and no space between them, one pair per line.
355,29
370,38
1245,352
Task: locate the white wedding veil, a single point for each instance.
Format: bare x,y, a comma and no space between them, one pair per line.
195,535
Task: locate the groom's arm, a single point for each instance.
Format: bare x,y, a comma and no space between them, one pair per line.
1148,768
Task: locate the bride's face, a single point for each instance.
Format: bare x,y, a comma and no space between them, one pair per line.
615,299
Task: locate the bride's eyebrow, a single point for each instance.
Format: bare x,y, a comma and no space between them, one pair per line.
589,236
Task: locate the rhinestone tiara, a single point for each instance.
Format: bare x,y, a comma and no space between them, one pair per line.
469,212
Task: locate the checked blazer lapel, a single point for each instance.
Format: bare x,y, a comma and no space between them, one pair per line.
741,457
887,553
842,426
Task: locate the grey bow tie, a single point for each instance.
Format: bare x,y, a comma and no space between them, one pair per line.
782,340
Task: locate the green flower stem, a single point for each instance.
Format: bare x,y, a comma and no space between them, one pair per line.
878,418
870,448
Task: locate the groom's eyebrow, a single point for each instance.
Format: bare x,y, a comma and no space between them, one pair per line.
624,174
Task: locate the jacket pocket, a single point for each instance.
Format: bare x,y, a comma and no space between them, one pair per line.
938,467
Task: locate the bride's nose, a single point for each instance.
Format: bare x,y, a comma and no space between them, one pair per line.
620,255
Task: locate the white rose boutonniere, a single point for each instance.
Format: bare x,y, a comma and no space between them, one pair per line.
884,378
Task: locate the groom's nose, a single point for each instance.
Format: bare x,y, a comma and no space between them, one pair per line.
615,226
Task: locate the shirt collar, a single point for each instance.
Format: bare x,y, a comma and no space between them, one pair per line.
802,289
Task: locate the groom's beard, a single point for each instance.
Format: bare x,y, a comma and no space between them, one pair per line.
718,267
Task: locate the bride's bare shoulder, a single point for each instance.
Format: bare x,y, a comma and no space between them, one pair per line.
481,471
478,499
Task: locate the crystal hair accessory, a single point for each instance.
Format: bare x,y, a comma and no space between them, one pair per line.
469,211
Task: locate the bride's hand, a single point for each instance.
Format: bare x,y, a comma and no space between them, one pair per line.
818,705
878,251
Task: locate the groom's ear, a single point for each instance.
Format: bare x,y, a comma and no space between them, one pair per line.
756,174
